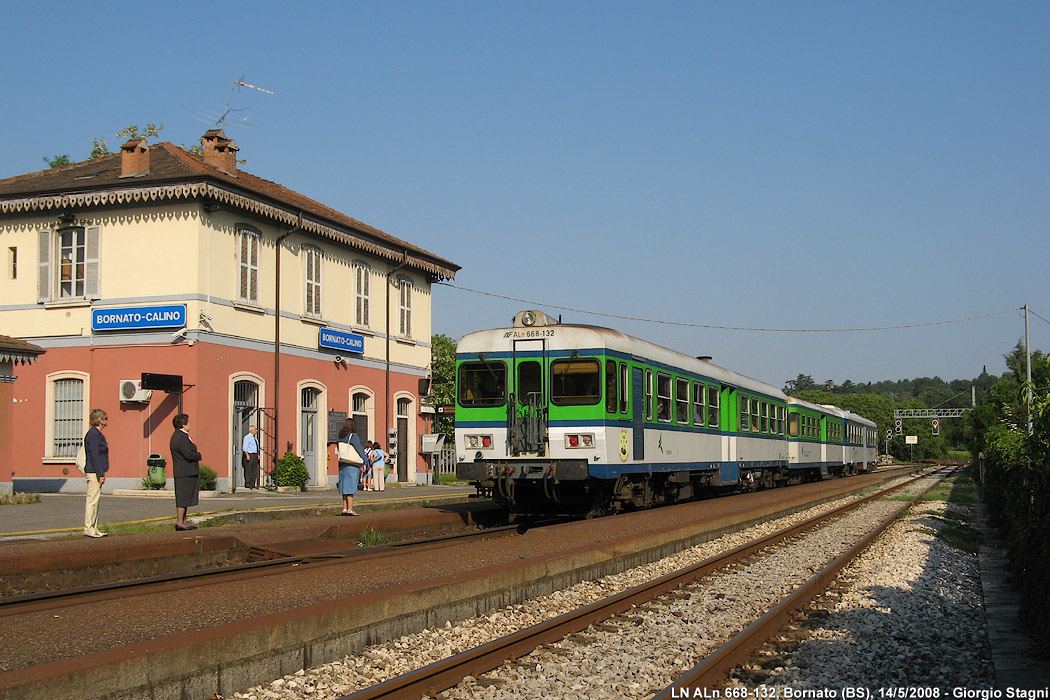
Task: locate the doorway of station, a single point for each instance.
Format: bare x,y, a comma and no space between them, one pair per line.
308,407
401,439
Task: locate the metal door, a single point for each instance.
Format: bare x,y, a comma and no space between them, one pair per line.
245,415
308,430
527,406
637,392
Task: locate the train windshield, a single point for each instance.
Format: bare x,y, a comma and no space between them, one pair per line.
576,382
482,383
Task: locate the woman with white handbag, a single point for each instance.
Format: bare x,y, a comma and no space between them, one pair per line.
351,460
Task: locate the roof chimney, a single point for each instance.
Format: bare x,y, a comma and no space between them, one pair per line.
134,158
220,151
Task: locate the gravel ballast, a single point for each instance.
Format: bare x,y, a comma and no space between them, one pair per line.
914,579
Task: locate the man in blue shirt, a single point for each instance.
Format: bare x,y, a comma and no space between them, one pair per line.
250,458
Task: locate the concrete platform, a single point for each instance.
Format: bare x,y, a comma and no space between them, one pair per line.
62,515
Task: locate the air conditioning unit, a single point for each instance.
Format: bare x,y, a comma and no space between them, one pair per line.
131,391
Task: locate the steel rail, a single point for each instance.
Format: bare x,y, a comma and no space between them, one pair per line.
713,670
446,673
19,604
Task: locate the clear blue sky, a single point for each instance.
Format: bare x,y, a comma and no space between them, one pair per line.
814,165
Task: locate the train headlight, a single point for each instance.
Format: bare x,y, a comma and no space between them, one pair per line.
528,318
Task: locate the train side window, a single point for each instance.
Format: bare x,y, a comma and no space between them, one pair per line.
712,407
745,413
780,419
663,397
610,386
681,400
576,382
765,416
482,383
699,412
648,394
755,423
625,383
793,425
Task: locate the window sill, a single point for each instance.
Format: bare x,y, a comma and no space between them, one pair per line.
67,303
404,341
363,330
59,460
313,320
248,306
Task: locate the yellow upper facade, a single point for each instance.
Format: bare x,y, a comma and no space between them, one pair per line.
238,251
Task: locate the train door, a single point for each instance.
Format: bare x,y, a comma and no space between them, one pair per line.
730,472
638,413
823,446
527,408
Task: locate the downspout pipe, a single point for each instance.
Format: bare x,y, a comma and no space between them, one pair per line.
277,345
390,419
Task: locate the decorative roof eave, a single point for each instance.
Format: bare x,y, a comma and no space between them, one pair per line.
17,358
196,190
18,352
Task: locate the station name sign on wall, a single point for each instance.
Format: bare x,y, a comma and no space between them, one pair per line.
338,340
138,318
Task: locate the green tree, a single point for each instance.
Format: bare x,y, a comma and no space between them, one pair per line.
443,382
802,382
100,148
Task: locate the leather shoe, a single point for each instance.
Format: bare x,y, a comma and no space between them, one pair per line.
187,527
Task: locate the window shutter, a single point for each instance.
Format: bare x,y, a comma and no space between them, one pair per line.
43,280
91,262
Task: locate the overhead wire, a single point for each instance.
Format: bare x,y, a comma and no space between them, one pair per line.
729,328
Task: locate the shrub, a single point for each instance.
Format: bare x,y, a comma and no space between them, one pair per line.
292,471
206,478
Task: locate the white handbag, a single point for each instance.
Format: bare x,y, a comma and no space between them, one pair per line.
348,453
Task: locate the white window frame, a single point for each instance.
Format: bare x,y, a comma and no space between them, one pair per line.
362,293
312,258
699,404
404,307
248,265
82,283
51,455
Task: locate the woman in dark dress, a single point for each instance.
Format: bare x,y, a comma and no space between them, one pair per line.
185,466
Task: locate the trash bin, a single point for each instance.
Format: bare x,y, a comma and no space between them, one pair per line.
156,464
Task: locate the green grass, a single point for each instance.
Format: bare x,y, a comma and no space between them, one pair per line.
449,480
371,537
959,490
19,498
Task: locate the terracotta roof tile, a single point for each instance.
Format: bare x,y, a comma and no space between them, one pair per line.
170,164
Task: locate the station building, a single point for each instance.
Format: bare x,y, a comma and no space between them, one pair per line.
269,308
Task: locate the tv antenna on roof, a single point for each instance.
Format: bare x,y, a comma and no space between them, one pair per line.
218,119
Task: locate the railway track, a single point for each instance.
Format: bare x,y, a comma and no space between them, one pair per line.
615,614
270,561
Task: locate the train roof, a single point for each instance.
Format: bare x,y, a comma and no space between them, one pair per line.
833,411
573,336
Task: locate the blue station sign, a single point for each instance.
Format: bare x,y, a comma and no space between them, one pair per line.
338,340
138,318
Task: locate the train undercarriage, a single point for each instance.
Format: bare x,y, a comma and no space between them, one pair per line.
564,488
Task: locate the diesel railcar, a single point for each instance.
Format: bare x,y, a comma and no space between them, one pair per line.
564,419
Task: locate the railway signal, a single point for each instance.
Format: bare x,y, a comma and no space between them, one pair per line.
898,425
936,427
